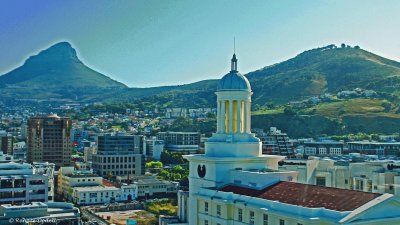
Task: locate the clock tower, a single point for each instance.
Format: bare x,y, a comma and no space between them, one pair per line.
233,146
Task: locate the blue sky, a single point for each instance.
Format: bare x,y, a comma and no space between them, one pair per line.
153,43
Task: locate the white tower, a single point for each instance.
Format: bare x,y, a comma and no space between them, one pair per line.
233,146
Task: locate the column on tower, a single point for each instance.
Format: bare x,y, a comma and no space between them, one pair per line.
242,116
223,117
226,115
248,117
235,117
230,116
238,119
219,116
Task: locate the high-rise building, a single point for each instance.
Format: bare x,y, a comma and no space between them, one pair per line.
6,144
49,140
119,155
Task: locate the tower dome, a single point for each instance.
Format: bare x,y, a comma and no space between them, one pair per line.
234,81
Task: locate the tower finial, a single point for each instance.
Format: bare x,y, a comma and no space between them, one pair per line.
234,59
234,45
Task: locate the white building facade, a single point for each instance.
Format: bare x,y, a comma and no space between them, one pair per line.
234,183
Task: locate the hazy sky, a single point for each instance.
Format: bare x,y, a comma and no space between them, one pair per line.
151,43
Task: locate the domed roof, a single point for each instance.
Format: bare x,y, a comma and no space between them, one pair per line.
234,81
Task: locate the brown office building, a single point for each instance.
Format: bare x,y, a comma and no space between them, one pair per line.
49,140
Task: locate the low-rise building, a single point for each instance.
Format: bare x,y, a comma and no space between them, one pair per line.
20,185
187,142
68,179
370,176
40,213
323,148
375,148
46,169
150,188
95,195
275,142
175,112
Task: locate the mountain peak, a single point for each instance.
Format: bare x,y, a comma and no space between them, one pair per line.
61,52
57,66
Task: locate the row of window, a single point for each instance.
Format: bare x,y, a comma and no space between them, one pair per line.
240,216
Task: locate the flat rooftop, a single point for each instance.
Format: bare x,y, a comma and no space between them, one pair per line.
97,188
305,195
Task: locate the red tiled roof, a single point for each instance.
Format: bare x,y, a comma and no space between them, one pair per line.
310,196
107,183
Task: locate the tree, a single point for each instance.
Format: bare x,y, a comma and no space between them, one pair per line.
177,169
109,175
343,45
164,174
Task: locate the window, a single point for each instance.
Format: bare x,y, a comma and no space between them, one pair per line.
205,206
346,181
240,215
205,222
281,222
299,224
265,219
251,220
218,210
320,181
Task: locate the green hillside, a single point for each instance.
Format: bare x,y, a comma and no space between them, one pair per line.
314,72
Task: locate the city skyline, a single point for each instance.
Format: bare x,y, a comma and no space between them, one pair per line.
145,44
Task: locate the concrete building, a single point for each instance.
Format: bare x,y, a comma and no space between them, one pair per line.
175,113
96,195
88,153
46,169
375,148
20,185
6,144
119,155
69,178
40,213
371,176
49,140
275,142
183,206
234,183
153,188
323,148
188,142
154,148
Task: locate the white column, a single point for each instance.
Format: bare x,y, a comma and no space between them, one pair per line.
230,115
245,117
239,103
248,117
218,116
222,123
